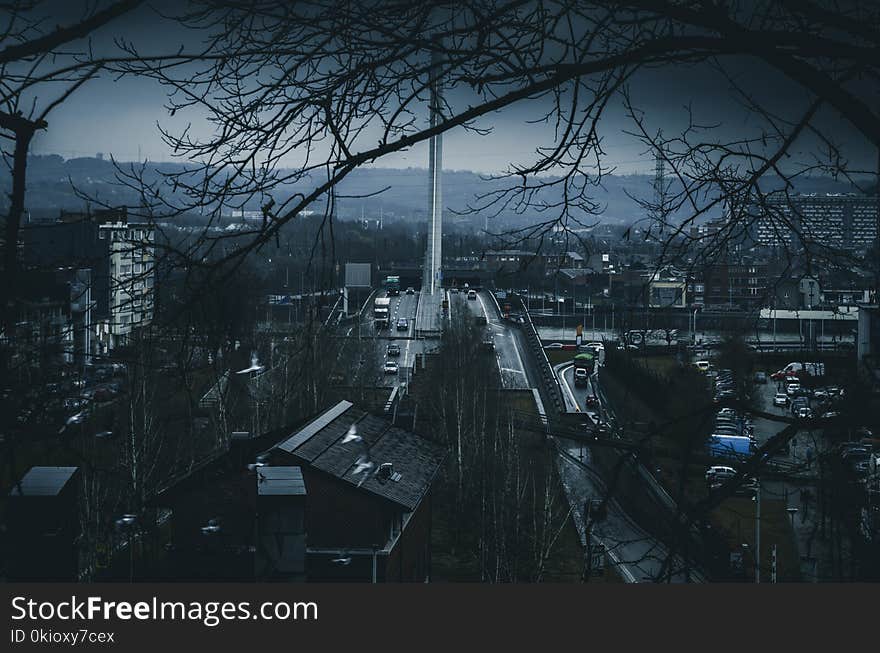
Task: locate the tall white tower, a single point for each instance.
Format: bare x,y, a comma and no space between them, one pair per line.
433,274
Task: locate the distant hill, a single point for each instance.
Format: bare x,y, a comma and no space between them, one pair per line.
50,190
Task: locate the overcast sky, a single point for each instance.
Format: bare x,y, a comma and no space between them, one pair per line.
120,116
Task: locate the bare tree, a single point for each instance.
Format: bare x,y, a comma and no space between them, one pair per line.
301,97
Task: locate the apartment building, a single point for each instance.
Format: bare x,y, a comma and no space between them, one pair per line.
836,221
118,253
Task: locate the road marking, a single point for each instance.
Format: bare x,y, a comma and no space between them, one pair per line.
562,371
483,306
516,351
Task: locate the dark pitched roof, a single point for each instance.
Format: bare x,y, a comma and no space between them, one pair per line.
350,444
43,481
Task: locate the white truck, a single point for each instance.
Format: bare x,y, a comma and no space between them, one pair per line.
800,370
381,312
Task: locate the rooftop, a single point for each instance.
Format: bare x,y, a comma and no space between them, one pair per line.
280,481
352,445
43,482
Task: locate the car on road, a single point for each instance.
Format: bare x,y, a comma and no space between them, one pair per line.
580,376
472,294
591,401
393,350
792,388
760,377
719,474
410,291
804,412
453,291
402,324
390,367
703,366
831,414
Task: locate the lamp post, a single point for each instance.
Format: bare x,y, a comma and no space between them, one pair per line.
758,531
593,311
126,525
792,511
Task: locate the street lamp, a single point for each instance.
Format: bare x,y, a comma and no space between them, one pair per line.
757,500
792,511
126,525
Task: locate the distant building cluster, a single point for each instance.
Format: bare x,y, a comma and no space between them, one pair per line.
88,282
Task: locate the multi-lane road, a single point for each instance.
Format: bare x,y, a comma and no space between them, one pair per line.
402,306
506,340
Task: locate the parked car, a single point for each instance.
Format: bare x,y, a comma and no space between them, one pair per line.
103,394
77,418
554,345
798,403
851,449
74,403
390,367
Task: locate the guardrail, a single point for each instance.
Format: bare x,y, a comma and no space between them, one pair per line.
551,382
